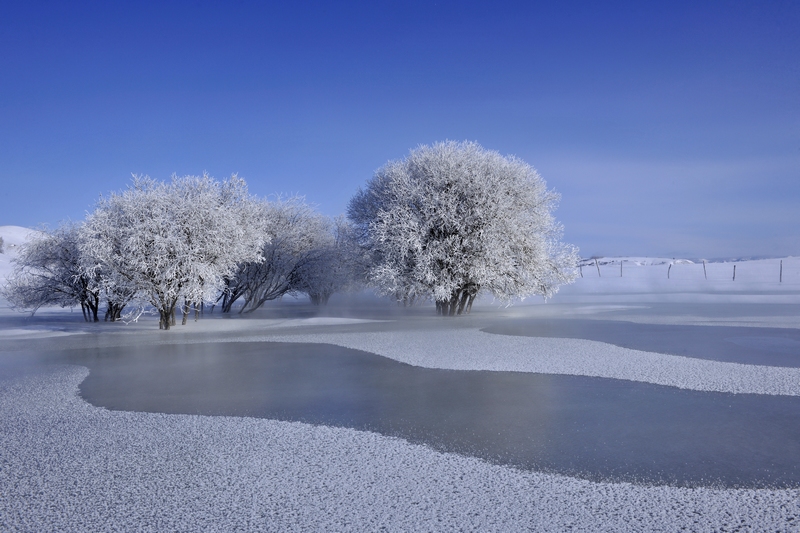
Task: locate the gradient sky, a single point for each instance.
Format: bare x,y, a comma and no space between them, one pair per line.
670,129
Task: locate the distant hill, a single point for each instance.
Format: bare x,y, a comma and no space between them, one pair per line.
13,238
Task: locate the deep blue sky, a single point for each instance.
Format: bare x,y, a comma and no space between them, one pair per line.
668,129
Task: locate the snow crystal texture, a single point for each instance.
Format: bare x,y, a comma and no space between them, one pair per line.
68,466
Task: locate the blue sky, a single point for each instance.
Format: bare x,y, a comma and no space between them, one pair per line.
669,128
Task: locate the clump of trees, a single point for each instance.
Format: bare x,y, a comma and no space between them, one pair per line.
454,219
178,245
447,222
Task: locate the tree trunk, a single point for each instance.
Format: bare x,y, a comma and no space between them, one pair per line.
453,304
93,308
471,299
463,302
185,312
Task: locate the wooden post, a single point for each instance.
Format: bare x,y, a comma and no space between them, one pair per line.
705,275
734,272
670,268
620,268
780,279
598,268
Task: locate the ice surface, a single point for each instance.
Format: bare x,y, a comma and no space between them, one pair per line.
69,466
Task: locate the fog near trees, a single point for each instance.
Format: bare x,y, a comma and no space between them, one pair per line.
447,222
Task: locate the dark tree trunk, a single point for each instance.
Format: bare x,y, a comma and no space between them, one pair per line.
113,312
93,308
469,303
463,302
167,315
453,304
185,312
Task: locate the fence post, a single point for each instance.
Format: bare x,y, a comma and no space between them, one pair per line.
734,272
705,275
780,279
620,268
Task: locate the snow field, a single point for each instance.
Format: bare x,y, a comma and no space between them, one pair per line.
477,350
13,238
69,466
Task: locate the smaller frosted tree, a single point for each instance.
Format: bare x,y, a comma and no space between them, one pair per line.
453,219
335,266
50,271
172,242
297,236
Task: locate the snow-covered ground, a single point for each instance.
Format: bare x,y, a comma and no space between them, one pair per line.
13,237
66,465
69,466
637,279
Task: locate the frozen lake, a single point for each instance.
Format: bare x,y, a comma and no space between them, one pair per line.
548,408
590,427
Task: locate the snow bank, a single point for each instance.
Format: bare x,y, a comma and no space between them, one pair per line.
477,350
69,466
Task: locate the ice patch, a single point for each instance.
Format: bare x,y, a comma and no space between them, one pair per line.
19,333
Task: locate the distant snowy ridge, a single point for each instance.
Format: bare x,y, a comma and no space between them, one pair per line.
633,261
13,238
651,261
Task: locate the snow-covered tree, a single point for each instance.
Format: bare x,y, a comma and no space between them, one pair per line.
335,267
1,245
453,219
49,271
297,236
172,242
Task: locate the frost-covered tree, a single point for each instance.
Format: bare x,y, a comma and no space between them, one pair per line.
172,242
453,219
49,271
297,235
1,245
335,267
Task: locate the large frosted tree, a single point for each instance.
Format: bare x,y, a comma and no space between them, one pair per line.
453,219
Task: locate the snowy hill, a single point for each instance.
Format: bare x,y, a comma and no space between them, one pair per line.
774,280
637,261
13,238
